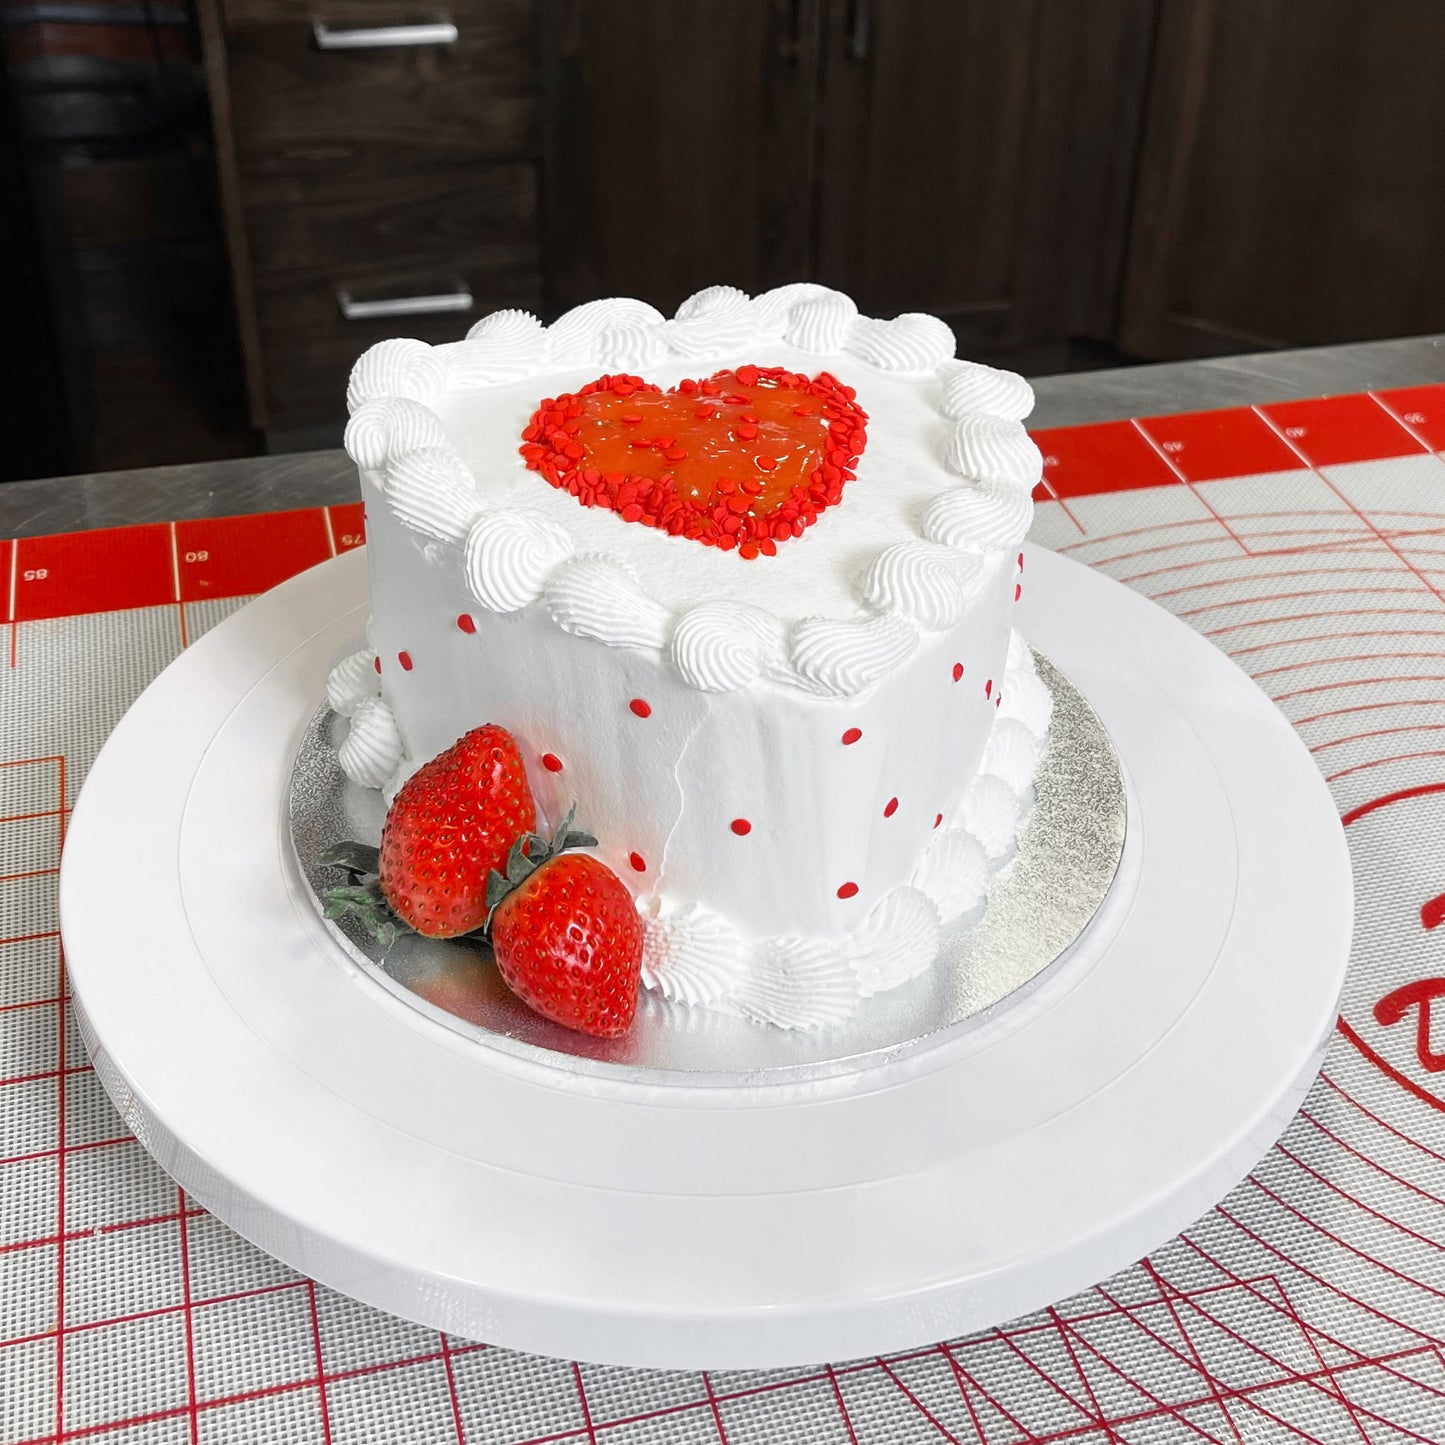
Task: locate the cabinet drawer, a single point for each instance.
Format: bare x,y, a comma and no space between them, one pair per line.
412,218
302,113
308,348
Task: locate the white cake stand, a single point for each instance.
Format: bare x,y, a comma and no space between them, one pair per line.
644,1224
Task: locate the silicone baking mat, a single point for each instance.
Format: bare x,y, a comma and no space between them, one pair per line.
1306,539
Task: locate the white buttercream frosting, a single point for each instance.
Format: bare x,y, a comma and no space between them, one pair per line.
969,386
953,872
431,491
846,658
798,983
925,403
913,344
690,954
510,555
501,347
722,646
602,598
985,515
1027,698
1012,753
401,368
352,681
897,941
390,428
372,748
926,582
995,449
991,811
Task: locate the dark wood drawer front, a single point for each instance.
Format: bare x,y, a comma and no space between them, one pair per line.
309,348
304,114
408,221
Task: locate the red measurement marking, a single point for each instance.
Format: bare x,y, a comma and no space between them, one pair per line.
236,556
1083,461
1337,429
348,526
1207,446
1418,995
1422,409
103,571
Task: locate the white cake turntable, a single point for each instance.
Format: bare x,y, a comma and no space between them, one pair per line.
782,1211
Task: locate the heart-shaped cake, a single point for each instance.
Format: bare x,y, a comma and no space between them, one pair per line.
745,458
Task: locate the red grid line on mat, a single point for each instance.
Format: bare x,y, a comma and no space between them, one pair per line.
1184,481
161,1311
186,1315
712,1400
1376,1119
581,1401
1419,409
848,1419
1382,1361
1167,1293
263,1392
1282,431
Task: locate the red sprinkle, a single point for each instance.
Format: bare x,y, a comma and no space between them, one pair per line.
1018,590
938,820
741,827
638,862
847,890
957,671
466,623
405,659
852,736
552,762
1021,561
376,663
642,709
988,688
891,809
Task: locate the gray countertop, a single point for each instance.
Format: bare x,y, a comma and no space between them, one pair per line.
313,479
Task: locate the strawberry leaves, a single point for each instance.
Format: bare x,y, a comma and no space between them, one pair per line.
528,854
362,898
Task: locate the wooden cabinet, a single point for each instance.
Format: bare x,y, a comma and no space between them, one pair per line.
391,172
1156,177
973,158
1290,185
977,160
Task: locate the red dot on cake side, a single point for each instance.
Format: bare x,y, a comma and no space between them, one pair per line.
376,663
1018,590
405,659
552,762
847,890
741,827
988,688
466,623
957,671
851,736
890,808
639,863
938,820
642,708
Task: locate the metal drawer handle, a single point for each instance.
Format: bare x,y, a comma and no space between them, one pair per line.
444,301
383,37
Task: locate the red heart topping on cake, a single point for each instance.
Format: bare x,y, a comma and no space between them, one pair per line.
745,458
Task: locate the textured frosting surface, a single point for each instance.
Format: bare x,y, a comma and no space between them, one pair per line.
804,764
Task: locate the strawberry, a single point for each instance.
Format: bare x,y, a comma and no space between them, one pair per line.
453,822
566,935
